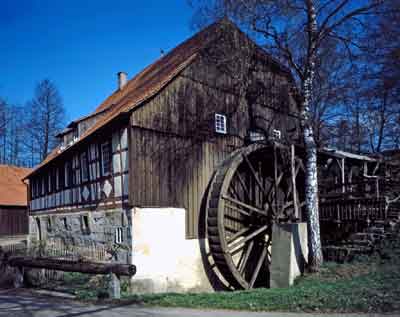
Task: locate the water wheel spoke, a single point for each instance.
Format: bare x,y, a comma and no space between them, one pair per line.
244,205
271,189
258,267
253,172
247,238
237,250
235,219
237,235
233,192
279,178
229,228
242,183
242,264
301,165
289,192
287,205
239,210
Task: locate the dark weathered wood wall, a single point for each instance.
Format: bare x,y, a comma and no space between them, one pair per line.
188,104
13,221
173,145
172,171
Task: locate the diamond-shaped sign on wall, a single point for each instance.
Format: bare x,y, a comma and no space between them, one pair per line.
107,188
85,193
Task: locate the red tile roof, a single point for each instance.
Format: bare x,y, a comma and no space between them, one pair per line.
12,189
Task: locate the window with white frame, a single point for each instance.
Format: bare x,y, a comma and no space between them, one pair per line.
105,158
119,235
276,133
220,123
84,167
256,136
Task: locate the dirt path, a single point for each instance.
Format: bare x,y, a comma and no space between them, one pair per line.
25,303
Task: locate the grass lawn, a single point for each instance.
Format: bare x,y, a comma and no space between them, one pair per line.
361,286
354,287
370,284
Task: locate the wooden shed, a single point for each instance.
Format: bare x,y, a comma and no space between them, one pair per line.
13,205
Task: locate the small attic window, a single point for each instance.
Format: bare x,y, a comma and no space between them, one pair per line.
220,123
256,136
276,134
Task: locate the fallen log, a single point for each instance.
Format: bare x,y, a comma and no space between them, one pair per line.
72,266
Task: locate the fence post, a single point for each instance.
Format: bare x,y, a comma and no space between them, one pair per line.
19,277
114,287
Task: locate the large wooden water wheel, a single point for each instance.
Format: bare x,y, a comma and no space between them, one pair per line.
251,190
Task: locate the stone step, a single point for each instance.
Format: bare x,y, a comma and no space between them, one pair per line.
374,237
366,243
344,253
375,229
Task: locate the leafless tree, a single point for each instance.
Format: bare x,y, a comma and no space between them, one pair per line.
46,117
3,129
11,134
380,76
295,31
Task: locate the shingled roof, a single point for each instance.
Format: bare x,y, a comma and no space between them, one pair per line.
12,189
148,83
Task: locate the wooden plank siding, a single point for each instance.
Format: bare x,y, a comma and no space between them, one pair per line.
13,221
173,144
188,104
173,171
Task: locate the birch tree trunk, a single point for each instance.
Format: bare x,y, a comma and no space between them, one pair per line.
311,192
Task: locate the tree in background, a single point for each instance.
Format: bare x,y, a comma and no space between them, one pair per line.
381,77
3,129
295,31
11,134
45,118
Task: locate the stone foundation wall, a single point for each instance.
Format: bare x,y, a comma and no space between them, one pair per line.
108,229
166,261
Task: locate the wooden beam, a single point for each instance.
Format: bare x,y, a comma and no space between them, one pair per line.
342,168
71,266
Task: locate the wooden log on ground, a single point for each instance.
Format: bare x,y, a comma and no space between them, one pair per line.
72,266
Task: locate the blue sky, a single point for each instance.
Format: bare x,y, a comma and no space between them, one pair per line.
81,45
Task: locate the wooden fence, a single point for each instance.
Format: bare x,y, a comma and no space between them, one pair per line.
349,209
93,252
58,250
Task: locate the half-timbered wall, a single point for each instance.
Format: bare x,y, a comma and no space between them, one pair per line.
95,176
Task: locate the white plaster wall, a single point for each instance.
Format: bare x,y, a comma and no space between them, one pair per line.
165,260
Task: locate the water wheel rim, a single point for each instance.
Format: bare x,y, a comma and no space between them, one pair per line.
219,203
228,170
